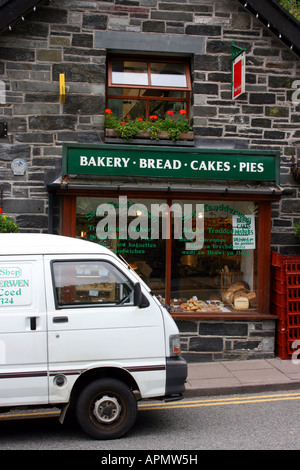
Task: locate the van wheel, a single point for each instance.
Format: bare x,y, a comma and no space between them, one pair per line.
106,409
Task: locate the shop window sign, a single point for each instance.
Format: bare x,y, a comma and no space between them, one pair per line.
243,232
212,244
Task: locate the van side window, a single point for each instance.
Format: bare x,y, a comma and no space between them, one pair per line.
90,282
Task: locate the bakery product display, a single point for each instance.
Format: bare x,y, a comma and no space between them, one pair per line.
240,296
241,302
252,299
237,297
195,305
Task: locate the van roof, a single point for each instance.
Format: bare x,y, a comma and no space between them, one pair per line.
39,244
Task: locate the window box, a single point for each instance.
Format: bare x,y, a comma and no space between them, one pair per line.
163,135
170,127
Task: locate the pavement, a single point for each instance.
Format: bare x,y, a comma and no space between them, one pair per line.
231,377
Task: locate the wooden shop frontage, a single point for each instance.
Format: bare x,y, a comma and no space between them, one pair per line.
196,226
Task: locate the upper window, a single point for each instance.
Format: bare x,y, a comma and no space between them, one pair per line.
149,74
143,87
90,282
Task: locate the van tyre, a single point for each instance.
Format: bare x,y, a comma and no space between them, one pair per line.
106,409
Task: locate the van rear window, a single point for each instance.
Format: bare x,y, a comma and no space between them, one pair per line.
90,282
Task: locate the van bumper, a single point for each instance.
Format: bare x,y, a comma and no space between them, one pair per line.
176,374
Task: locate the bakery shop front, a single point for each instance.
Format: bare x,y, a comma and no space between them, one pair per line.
196,226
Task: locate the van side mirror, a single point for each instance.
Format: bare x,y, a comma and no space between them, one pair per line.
139,299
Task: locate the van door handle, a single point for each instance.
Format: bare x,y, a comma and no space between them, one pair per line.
33,323
60,319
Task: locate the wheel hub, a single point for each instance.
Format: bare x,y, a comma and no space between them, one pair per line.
107,409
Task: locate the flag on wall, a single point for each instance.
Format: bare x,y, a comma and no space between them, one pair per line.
238,63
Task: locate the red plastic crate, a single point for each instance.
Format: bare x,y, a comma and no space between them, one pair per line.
292,265
292,320
278,273
292,346
293,307
279,260
278,299
278,286
281,326
281,348
281,352
279,311
276,259
281,337
292,294
292,280
293,334
285,302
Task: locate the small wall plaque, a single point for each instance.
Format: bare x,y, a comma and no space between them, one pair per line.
18,166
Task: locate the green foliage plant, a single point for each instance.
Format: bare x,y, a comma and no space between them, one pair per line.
297,231
7,225
129,128
292,6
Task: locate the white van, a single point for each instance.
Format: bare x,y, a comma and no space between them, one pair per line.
79,327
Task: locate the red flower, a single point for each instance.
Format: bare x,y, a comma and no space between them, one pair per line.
140,119
182,111
122,123
153,116
108,111
170,113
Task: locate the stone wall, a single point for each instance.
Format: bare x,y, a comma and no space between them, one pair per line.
72,37
204,341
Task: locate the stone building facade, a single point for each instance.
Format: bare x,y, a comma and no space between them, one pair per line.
74,37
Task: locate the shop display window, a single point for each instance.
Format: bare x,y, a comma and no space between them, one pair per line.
132,241
219,275
198,256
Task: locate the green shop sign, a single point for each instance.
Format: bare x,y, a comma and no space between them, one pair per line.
122,160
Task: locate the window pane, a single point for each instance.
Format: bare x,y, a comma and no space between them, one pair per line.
160,108
170,75
222,271
123,108
129,73
146,93
78,282
144,252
